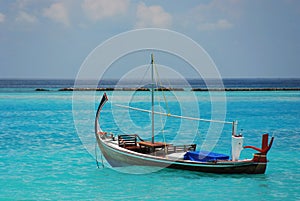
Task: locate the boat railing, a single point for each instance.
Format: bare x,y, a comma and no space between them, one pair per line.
180,148
171,149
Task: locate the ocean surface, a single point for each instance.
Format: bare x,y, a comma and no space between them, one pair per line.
48,149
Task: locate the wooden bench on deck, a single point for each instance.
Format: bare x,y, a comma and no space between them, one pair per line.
129,141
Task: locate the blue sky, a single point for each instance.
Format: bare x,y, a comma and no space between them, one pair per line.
245,38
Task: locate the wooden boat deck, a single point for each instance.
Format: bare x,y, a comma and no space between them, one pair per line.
159,149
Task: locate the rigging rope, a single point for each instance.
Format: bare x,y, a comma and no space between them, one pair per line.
162,126
96,154
175,116
166,103
143,77
162,89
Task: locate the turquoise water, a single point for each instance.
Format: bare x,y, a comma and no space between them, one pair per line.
42,157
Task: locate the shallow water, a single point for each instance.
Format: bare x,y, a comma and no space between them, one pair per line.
43,158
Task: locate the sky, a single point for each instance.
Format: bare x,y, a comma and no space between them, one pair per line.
50,39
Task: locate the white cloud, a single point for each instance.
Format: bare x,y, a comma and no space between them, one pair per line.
25,17
2,17
100,9
220,24
58,12
152,16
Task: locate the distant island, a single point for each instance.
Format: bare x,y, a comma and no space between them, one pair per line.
172,89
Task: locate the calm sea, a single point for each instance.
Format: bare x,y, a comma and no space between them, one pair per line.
48,151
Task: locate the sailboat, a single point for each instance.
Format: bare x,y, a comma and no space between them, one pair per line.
131,150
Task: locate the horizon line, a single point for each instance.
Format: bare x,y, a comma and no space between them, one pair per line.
87,79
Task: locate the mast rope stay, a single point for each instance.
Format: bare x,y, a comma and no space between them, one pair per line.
143,77
173,115
96,156
159,83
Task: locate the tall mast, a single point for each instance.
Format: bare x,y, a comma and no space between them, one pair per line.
152,96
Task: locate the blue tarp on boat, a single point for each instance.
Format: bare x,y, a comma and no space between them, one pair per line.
204,156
